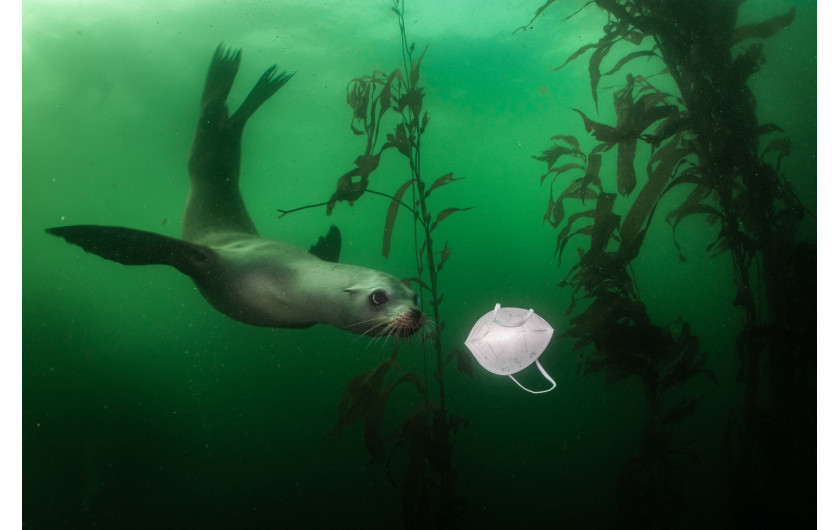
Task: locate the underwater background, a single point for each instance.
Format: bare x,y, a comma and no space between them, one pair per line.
143,407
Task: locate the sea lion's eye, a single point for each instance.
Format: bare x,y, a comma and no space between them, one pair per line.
378,298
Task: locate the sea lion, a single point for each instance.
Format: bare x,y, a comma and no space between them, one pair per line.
249,278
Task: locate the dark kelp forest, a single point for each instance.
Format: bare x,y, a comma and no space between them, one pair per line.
703,141
708,139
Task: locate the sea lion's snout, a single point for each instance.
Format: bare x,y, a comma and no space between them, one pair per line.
419,318
408,323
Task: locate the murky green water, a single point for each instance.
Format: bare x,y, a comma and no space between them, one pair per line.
145,408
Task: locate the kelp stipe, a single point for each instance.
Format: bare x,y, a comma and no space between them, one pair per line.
428,500
708,139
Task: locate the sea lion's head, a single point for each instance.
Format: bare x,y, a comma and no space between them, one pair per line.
382,305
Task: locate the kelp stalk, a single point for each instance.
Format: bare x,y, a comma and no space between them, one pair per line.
427,432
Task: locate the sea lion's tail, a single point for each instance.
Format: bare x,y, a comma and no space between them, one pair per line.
137,247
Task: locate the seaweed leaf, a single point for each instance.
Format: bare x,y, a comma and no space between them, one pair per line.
562,169
544,6
577,190
367,163
399,139
575,55
687,360
550,155
633,36
596,315
594,65
418,281
414,75
563,241
571,141
601,132
444,255
413,99
441,181
606,222
463,361
412,378
767,128
348,189
572,219
625,172
555,212
361,395
779,145
385,95
358,94
424,122
665,159
592,174
763,30
629,57
446,213
537,14
693,209
391,217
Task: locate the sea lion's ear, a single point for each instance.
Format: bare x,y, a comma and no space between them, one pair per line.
328,247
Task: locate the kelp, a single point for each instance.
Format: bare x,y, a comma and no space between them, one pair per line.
426,434
615,322
614,326
421,444
704,142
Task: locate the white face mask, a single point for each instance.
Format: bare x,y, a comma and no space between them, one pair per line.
509,339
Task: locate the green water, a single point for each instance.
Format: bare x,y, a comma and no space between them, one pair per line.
145,408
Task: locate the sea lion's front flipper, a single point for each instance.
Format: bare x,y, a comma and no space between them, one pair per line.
328,247
136,247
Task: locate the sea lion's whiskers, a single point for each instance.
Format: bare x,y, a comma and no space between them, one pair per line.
354,324
427,329
357,323
377,325
385,329
383,333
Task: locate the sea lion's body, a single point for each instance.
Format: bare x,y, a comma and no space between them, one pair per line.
269,283
255,280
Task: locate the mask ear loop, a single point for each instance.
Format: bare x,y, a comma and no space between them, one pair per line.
553,384
511,324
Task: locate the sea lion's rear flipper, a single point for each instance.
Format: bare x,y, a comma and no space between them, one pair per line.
220,76
328,247
268,84
136,247
215,203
